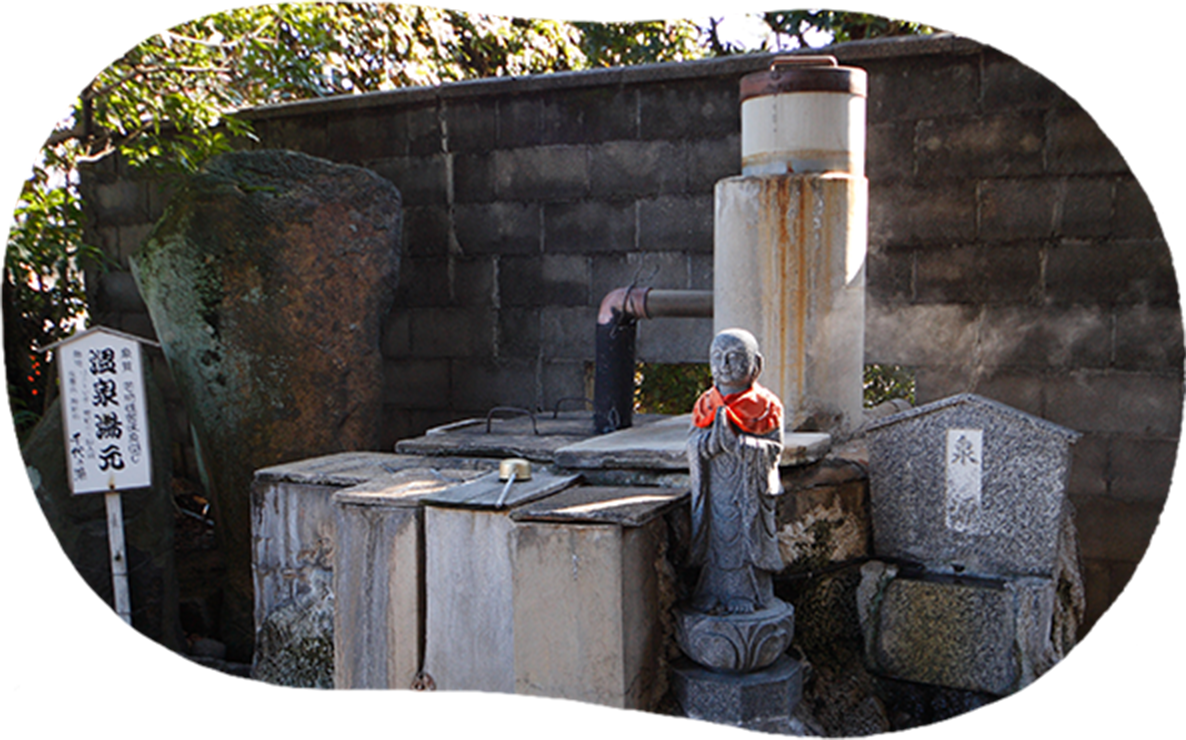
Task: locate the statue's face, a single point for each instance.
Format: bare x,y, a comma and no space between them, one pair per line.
734,361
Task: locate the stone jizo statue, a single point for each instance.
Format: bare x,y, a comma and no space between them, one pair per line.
733,622
733,450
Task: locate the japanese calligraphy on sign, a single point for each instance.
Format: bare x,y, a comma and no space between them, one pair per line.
965,449
104,412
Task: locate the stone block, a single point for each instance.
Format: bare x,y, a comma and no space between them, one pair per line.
473,125
700,271
474,281
426,230
889,276
978,274
1039,338
396,340
548,173
967,485
425,137
451,332
567,332
423,281
1110,529
544,280
519,332
921,335
421,180
568,379
709,160
479,385
1089,466
1017,209
636,168
762,701
1115,402
1134,217
131,239
117,292
359,135
913,88
674,340
305,134
823,518
589,226
1124,272
968,634
696,109
1006,84
417,384
889,152
520,121
473,177
1086,208
1075,145
675,223
901,213
1135,326
588,115
1141,468
1001,145
498,228
656,269
124,202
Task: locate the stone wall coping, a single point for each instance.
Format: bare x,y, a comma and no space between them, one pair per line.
1069,435
848,52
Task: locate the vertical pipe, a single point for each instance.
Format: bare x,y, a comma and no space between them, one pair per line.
613,390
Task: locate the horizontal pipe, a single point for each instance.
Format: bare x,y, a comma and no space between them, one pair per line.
682,303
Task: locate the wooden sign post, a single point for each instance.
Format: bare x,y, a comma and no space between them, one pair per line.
105,419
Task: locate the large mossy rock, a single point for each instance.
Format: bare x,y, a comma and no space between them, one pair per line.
80,522
267,279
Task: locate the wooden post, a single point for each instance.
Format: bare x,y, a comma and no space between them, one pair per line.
119,555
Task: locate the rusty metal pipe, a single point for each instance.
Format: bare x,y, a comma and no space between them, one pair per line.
617,328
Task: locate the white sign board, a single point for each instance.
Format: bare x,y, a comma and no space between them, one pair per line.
104,412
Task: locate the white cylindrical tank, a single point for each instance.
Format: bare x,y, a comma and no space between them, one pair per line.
790,237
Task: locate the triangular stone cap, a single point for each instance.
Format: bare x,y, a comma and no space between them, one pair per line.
1070,435
96,330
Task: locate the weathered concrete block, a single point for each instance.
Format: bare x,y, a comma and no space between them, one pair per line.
479,385
1125,272
709,160
519,332
498,228
1001,145
544,280
570,379
541,172
889,276
636,168
978,274
359,135
117,292
589,226
1024,336
924,335
473,177
586,115
1086,207
426,231
1110,529
416,383
421,180
520,121
901,213
299,134
472,125
968,485
123,202
1017,209
1115,402
1075,145
424,281
698,109
452,332
567,332
1133,350
1090,462
1141,468
1134,217
1007,84
910,89
425,137
672,340
889,152
131,239
673,222
990,636
665,270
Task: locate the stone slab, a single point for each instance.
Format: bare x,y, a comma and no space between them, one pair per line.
628,507
515,436
661,445
968,485
346,469
763,700
970,634
485,491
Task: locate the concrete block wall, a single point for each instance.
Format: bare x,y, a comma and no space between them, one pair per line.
1011,252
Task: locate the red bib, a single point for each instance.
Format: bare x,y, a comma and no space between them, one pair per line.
754,411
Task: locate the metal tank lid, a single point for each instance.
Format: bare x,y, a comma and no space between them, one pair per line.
804,73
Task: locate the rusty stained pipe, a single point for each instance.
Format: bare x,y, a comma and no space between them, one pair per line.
617,323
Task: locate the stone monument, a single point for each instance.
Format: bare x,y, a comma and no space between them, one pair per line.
733,628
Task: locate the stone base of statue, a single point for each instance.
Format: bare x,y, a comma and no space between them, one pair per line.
738,643
762,700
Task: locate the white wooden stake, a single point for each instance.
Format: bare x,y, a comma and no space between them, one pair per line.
119,555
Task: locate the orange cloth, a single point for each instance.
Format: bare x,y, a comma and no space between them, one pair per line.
754,411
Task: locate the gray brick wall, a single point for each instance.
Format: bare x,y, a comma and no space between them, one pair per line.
1011,252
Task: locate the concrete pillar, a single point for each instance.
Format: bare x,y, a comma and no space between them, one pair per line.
789,266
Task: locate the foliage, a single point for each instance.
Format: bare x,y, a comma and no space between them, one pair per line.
645,42
842,25
669,389
886,382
